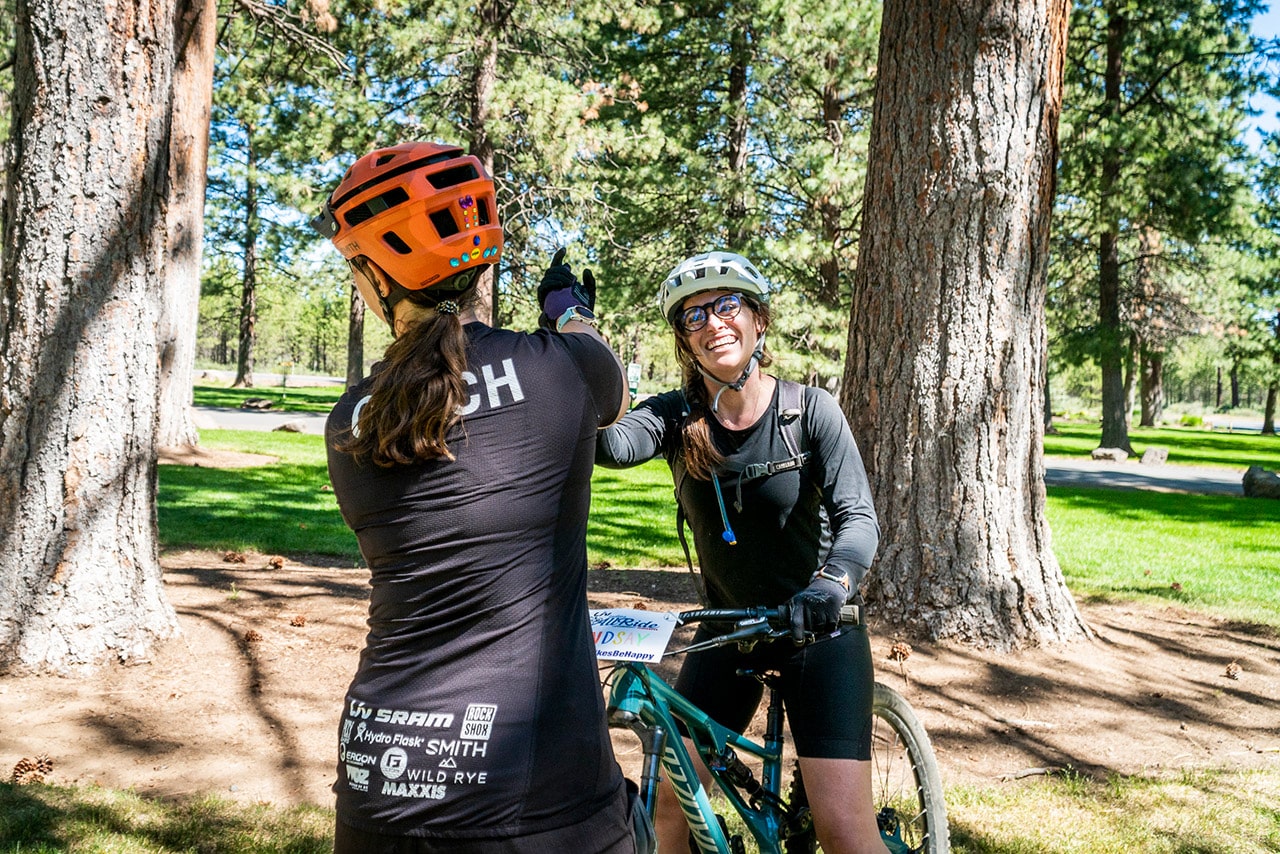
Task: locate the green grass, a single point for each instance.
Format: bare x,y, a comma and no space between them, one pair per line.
1222,552
1199,812
303,399
633,517
1186,446
37,819
1203,811
276,509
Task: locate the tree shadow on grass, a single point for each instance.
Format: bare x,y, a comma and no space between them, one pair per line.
50,818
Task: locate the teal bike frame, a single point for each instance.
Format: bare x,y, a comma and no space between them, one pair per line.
641,701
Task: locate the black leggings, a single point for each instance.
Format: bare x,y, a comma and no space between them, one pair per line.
827,688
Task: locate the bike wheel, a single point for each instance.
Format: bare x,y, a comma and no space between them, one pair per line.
906,788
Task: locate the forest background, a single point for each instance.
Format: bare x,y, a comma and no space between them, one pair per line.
639,133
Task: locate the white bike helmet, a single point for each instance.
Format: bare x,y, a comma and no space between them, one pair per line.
710,271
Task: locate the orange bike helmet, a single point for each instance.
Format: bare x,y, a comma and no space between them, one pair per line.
421,211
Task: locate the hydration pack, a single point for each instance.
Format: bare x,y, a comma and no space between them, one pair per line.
791,401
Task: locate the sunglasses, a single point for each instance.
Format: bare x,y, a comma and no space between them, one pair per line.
694,317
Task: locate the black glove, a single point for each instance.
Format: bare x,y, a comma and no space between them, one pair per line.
560,289
815,610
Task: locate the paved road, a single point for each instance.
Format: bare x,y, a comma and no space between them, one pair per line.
1064,471
1059,471
213,417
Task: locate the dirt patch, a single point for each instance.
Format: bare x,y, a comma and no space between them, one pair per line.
195,455
245,703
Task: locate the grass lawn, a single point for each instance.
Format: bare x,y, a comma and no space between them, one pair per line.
1223,553
1208,812
283,399
1220,555
1187,446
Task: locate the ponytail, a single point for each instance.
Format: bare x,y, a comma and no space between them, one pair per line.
416,396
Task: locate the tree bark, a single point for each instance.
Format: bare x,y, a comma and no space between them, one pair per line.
1131,371
944,382
188,165
1269,414
80,301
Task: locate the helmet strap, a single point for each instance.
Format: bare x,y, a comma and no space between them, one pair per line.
756,355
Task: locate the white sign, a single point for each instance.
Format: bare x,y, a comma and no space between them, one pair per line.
627,634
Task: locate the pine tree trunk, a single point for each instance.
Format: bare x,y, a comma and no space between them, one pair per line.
248,276
829,212
81,299
188,165
493,17
739,125
1152,388
355,339
1131,370
944,383
1115,424
1269,414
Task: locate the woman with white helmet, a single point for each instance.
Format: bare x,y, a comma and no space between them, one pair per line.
463,466
771,482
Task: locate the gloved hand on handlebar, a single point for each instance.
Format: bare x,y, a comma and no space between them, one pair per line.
815,610
560,289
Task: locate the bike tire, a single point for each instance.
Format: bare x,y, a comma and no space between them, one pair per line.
906,787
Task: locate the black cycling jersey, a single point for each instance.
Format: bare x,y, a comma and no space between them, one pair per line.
787,524
476,710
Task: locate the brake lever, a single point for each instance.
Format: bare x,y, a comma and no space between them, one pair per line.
748,633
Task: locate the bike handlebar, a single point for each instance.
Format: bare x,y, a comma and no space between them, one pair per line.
777,617
754,624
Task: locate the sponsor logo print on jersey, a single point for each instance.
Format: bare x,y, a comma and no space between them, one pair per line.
477,723
414,790
358,778
394,761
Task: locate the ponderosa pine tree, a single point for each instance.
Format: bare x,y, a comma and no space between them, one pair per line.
1150,144
80,300
946,361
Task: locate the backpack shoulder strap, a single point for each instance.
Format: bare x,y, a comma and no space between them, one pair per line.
791,400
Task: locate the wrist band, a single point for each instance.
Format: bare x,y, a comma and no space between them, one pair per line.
575,312
839,576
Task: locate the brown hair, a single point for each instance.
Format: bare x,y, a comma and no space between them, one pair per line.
700,453
417,394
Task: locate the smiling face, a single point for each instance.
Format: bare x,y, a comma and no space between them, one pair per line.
723,346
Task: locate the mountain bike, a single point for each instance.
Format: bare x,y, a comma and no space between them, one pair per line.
907,788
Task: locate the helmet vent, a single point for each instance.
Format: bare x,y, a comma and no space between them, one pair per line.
483,207
393,240
385,159
451,177
443,221
375,206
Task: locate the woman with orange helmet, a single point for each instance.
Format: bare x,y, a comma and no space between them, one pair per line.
475,720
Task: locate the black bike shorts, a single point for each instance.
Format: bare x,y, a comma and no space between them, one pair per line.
827,688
